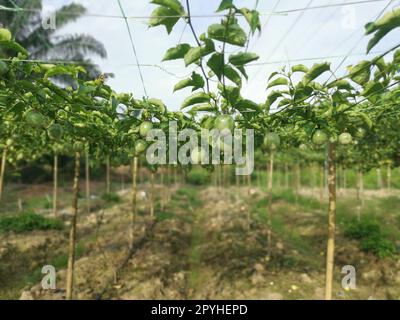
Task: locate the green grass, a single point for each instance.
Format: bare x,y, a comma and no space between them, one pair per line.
371,235
28,221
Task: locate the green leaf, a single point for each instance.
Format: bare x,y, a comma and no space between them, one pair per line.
360,73
372,89
225,5
164,16
174,5
300,68
196,98
178,52
216,64
246,105
315,71
272,97
206,107
243,58
382,27
253,19
232,75
193,55
243,71
341,85
14,46
232,34
196,81
278,82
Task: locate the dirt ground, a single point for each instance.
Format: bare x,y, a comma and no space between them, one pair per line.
205,244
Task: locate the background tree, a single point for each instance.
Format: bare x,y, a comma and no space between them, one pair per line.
24,20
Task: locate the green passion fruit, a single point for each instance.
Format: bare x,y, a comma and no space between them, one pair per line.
35,119
55,131
272,141
320,137
360,133
144,128
140,146
9,142
345,138
225,124
5,34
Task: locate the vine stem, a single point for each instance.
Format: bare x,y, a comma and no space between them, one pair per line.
189,22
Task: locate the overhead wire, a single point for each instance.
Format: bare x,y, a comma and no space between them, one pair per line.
133,47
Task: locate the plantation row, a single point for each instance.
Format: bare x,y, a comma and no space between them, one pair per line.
351,121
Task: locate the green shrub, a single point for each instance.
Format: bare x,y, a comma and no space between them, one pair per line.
28,221
111,197
368,231
198,177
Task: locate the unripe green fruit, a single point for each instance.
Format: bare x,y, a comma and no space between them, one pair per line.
225,124
9,142
35,119
360,133
303,147
55,131
345,138
272,141
320,137
144,129
140,147
5,34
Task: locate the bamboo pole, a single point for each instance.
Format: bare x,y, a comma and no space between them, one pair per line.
2,171
55,185
330,252
152,194
108,175
72,234
270,188
87,177
134,198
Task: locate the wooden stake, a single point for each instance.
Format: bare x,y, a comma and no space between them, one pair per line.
134,198
55,185
330,252
72,234
2,171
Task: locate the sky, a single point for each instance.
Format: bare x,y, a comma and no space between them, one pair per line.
285,38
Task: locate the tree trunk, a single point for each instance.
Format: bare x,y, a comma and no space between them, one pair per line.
134,198
344,179
108,178
2,171
269,213
163,191
55,185
389,177
331,220
379,178
72,234
87,177
286,176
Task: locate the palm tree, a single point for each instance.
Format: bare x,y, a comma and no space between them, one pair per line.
24,20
